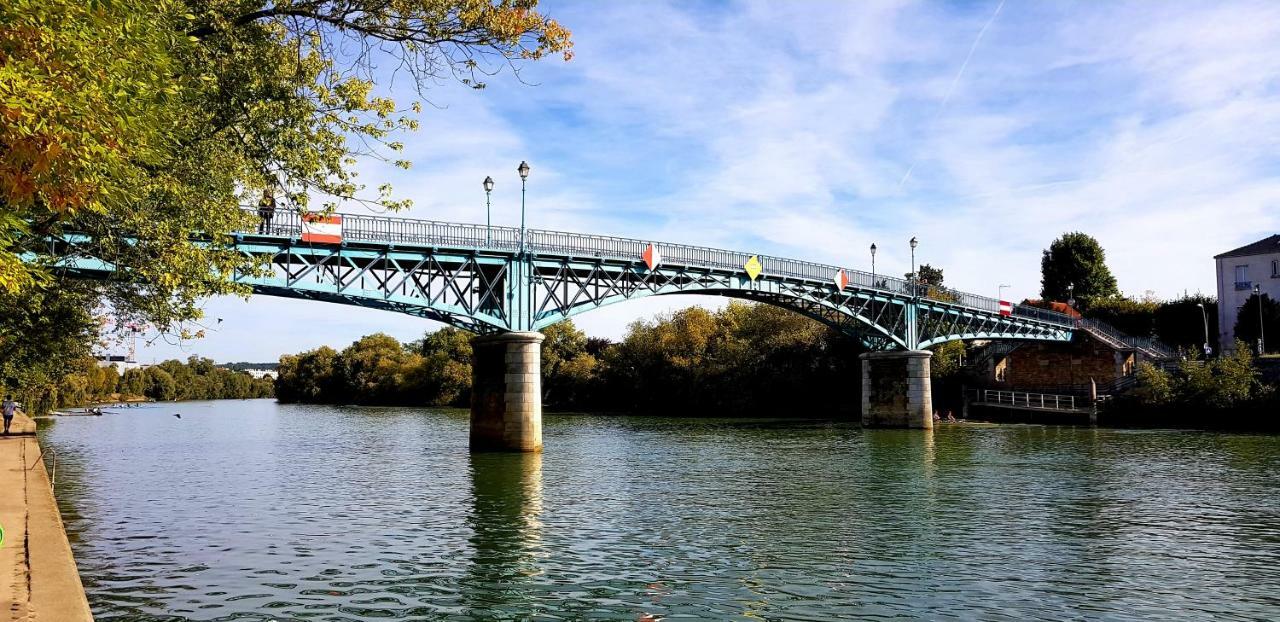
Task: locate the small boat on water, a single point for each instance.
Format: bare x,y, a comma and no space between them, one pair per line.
84,412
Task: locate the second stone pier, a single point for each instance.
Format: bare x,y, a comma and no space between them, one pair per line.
506,392
896,391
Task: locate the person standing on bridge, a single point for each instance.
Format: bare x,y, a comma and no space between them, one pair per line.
10,407
266,211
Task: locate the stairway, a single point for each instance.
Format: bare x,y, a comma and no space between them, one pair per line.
1114,337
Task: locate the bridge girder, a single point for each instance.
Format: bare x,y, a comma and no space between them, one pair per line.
471,289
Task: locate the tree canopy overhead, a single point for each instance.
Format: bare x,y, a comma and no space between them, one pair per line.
1075,265
148,125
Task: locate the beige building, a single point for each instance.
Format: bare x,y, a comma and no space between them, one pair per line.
1239,271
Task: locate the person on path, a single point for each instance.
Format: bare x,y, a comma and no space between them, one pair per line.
9,407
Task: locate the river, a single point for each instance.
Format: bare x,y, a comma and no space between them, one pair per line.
246,510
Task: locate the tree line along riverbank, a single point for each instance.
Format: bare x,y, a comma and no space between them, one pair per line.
745,359
173,380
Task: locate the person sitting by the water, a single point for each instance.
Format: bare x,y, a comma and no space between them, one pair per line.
950,417
10,407
936,417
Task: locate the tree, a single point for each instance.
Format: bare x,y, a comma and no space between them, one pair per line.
1246,327
147,125
929,275
1076,259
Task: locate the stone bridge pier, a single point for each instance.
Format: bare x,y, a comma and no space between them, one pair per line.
896,391
506,392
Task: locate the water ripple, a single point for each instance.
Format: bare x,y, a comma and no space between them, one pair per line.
249,511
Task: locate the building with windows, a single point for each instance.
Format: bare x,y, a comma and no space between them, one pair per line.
1239,272
121,362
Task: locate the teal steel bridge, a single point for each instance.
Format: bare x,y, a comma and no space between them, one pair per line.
484,279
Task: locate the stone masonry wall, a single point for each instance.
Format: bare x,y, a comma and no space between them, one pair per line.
1057,364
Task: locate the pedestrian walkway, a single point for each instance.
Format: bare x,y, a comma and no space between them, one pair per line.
38,578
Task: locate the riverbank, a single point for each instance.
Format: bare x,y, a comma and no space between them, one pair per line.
38,576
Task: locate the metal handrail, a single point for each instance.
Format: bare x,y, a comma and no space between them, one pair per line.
1030,400
1122,339
53,475
369,228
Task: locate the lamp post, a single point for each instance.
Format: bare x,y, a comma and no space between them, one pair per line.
1262,337
1204,315
523,169
915,279
873,264
1071,295
488,221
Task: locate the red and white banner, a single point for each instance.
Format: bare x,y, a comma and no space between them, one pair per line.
1006,308
323,229
652,256
841,279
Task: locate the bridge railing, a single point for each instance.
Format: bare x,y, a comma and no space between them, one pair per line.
1030,400
370,228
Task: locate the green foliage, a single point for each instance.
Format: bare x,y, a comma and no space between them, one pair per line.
745,358
85,383
947,359
1135,317
1217,385
43,336
1181,322
147,125
1155,385
567,368
1247,322
929,275
749,359
1076,259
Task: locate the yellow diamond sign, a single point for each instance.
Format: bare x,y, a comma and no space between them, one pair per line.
752,267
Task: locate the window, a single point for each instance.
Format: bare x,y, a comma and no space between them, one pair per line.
1242,278
1275,268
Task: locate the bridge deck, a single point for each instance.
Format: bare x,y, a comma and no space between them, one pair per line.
437,234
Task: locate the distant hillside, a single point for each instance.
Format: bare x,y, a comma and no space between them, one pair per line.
244,366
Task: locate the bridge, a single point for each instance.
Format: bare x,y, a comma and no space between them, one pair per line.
505,284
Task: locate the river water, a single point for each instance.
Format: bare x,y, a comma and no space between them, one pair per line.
245,510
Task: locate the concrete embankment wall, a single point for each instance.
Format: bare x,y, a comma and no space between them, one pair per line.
38,577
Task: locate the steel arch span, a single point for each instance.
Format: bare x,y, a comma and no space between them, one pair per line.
493,280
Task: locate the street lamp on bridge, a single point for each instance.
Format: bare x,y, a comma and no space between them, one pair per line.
915,278
488,221
873,264
523,169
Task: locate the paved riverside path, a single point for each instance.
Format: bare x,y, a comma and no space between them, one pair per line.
38,578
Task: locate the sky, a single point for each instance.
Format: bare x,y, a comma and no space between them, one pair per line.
812,129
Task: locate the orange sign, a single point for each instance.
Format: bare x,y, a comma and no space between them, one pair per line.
652,257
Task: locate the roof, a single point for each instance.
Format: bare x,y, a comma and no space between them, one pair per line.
1060,307
1261,247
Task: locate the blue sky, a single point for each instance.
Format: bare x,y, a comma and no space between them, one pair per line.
788,128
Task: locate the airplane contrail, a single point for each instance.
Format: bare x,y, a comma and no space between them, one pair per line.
956,80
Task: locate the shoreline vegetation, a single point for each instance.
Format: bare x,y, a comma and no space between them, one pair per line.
746,360
196,379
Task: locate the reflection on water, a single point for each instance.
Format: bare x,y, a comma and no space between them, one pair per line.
505,521
249,511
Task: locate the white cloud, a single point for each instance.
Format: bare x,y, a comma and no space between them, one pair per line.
785,128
